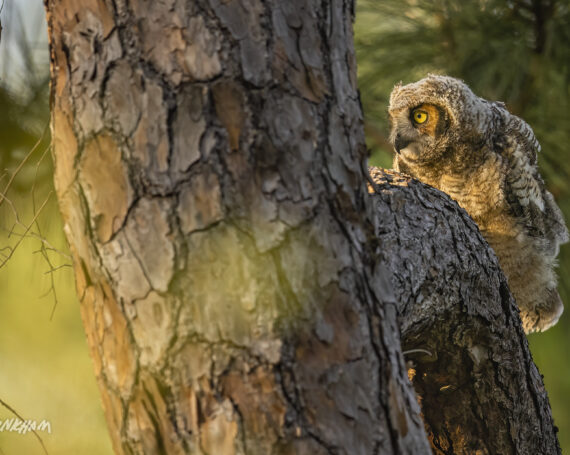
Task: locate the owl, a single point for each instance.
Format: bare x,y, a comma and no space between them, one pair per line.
485,158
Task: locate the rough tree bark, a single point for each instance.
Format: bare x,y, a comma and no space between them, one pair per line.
468,355
209,168
209,171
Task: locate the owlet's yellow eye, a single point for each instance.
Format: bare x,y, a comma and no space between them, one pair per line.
419,116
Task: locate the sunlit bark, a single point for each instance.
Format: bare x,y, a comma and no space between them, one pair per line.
209,166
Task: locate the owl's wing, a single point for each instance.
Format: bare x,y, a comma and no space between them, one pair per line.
525,191
556,227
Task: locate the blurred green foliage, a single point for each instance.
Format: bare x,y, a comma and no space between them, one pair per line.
514,51
24,110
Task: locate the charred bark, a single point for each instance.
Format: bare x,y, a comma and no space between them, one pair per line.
468,356
209,168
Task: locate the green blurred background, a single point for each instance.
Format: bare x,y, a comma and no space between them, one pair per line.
514,51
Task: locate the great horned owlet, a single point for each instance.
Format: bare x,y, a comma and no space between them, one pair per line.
485,158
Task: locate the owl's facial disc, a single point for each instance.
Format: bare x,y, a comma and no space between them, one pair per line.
416,132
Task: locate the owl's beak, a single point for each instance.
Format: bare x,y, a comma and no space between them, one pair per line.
401,143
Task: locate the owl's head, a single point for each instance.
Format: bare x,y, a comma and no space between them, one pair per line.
433,117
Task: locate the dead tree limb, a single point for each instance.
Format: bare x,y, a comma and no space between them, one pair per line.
479,389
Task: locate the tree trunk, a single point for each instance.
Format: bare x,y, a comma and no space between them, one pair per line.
209,167
235,294
468,355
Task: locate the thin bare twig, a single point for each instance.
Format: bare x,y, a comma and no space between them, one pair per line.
55,269
43,249
13,411
48,245
27,230
21,165
33,229
417,350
